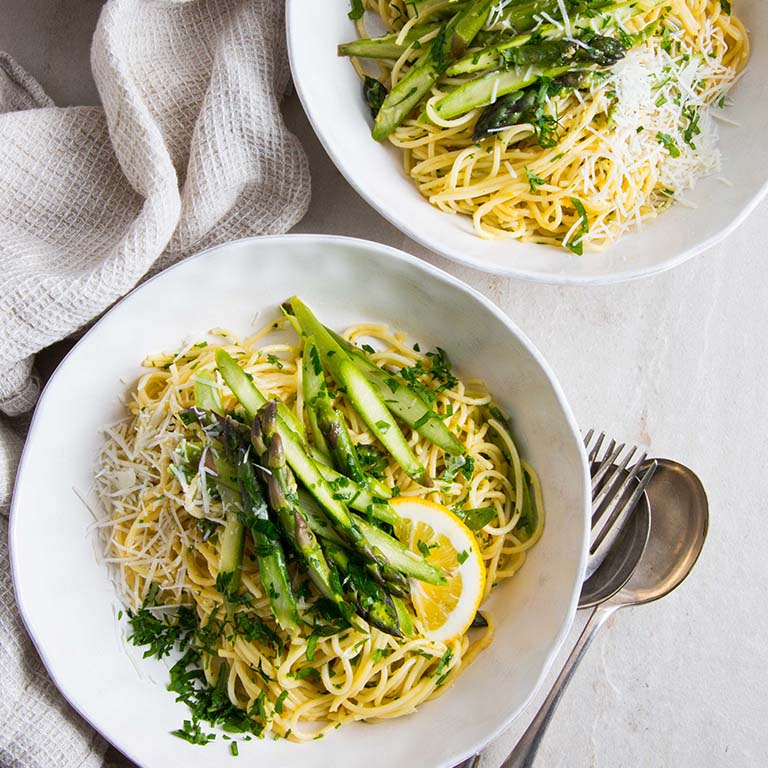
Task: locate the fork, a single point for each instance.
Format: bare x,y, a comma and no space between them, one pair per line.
617,487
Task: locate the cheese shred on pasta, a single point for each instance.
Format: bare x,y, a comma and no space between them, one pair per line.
625,148
158,537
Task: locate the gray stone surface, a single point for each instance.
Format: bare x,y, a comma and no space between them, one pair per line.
679,362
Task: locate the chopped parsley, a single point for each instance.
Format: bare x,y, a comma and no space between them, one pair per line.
478,518
576,244
373,461
668,143
534,181
311,645
160,629
691,114
454,464
463,557
280,702
357,9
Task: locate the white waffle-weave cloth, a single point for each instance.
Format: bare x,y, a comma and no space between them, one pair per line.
188,149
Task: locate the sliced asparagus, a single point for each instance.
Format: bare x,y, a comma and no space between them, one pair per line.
327,420
500,55
232,537
284,500
403,401
313,386
389,46
401,557
207,395
360,392
248,394
267,547
450,43
373,602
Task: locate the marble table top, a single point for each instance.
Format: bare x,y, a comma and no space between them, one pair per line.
678,362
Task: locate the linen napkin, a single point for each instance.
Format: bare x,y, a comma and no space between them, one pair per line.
188,150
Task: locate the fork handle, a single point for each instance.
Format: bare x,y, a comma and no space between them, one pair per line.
523,755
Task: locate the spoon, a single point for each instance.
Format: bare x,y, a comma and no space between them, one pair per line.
679,523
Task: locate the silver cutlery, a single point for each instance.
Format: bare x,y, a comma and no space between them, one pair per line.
677,503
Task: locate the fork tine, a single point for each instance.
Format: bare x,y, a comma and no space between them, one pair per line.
611,486
588,437
627,506
611,454
596,447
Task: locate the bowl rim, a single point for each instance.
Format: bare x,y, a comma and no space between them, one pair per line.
71,694
456,255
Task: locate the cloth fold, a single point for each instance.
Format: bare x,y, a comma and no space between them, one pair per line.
188,150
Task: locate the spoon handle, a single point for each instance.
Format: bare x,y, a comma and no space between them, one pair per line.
523,755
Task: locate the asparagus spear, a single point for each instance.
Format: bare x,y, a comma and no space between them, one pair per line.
324,419
360,392
370,501
313,385
499,55
232,537
403,401
387,46
560,57
401,557
373,602
449,44
423,8
284,500
267,547
247,393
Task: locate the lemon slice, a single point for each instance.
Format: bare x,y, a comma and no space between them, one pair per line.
447,610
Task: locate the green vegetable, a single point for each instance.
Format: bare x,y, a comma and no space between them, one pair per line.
324,420
669,144
386,46
406,398
400,557
284,500
452,40
528,63
499,55
373,603
357,10
534,181
361,394
375,93
576,243
477,519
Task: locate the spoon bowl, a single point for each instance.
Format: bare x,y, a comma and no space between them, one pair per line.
678,530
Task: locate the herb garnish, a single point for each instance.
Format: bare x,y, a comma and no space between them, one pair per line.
669,144
576,244
534,181
357,10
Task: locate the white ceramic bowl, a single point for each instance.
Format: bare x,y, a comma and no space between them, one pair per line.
68,602
330,92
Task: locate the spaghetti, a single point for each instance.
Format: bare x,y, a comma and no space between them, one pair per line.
161,540
616,152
